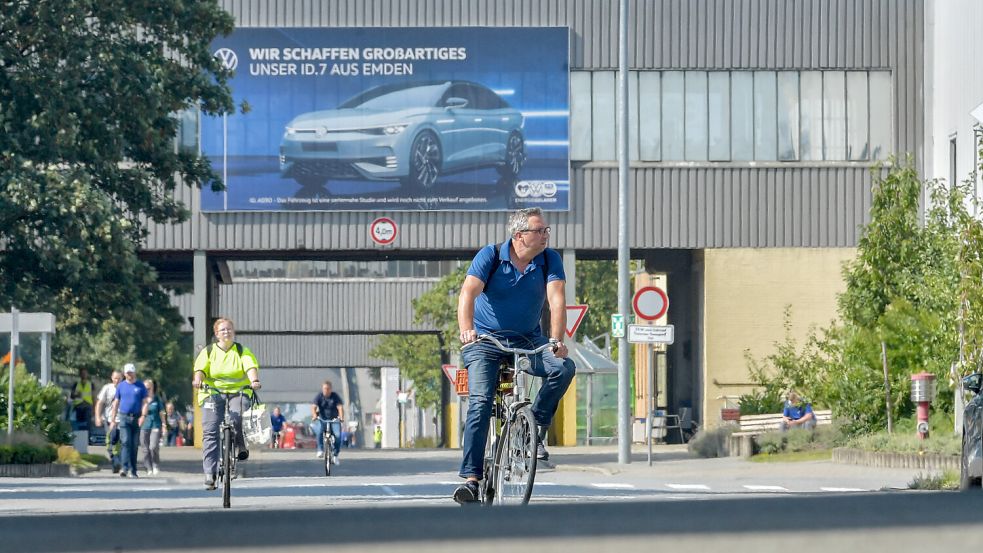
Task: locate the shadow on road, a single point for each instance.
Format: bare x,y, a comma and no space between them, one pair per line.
278,528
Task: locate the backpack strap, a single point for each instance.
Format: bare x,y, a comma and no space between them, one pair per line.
495,263
237,345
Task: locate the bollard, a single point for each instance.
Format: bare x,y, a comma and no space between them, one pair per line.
922,393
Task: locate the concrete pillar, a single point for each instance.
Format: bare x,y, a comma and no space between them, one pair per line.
200,314
45,358
390,407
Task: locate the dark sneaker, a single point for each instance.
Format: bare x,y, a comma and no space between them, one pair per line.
116,469
541,452
209,482
467,493
122,474
243,455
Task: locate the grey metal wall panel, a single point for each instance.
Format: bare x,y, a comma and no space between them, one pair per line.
734,208
313,351
185,306
332,306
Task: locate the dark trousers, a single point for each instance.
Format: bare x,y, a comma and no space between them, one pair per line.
129,437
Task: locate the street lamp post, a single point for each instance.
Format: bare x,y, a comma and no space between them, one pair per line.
624,256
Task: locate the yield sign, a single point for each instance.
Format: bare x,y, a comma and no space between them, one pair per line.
450,371
575,315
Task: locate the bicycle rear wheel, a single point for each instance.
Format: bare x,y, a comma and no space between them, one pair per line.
516,471
226,467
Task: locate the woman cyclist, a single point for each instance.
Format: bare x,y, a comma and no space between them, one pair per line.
225,367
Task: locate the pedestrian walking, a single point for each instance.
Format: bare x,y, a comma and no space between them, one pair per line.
131,394
104,418
82,401
174,424
151,428
377,437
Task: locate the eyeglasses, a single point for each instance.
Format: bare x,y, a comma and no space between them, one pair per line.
540,231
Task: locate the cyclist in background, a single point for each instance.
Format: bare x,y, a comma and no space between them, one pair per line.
228,367
504,291
327,406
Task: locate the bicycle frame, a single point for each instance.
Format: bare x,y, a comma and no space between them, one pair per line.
511,395
329,442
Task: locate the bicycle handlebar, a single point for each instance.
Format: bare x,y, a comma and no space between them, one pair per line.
549,345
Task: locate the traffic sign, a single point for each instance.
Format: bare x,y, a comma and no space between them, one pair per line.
651,334
575,315
650,303
617,325
383,231
450,371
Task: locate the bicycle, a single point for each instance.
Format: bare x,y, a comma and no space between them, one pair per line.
510,463
229,450
329,443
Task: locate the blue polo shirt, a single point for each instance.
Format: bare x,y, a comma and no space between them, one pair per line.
512,300
131,397
796,412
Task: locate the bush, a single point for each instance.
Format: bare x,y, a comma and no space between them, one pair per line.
710,443
771,442
37,409
27,454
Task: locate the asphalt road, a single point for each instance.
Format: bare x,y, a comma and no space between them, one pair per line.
399,501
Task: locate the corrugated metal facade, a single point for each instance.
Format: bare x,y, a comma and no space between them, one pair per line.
342,306
676,205
315,352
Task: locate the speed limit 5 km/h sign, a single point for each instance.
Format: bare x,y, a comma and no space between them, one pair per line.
650,303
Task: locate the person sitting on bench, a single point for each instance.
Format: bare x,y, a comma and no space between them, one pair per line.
798,413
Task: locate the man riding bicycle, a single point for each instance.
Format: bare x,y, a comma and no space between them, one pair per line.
503,294
327,408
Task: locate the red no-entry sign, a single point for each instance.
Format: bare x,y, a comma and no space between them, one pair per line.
650,303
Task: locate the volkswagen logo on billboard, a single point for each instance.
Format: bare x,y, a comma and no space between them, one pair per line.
535,189
228,58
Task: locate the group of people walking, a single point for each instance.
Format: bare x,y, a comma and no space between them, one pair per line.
136,419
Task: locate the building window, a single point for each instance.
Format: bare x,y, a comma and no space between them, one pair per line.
736,116
317,270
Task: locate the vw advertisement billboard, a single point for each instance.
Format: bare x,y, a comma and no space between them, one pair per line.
367,119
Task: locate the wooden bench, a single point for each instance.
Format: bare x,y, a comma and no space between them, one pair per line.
741,442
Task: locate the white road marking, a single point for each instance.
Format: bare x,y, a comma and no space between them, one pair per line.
538,484
765,488
703,487
614,486
842,489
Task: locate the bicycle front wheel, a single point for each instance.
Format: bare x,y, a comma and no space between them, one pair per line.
516,470
226,467
328,449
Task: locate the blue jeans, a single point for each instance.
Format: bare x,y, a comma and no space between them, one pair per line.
318,427
482,361
129,437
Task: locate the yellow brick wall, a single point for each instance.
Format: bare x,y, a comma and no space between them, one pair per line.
745,295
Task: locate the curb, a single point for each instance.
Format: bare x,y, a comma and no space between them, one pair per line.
34,471
879,459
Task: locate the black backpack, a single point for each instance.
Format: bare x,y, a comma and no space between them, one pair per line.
544,317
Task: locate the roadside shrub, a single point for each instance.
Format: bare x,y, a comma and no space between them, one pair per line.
27,454
800,439
947,480
37,409
710,443
771,442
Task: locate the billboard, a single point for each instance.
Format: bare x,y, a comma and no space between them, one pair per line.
370,119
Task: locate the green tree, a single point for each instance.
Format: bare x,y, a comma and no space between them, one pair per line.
902,290
89,97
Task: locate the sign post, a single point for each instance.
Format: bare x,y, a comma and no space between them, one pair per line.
14,342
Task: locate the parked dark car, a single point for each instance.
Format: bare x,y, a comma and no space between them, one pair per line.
971,465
